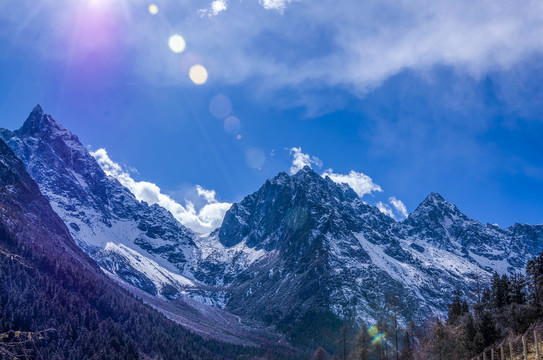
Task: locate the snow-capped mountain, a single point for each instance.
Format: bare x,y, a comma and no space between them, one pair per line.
71,286
322,250
303,251
144,245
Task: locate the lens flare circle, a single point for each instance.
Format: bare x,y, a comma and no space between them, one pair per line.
255,158
177,43
198,74
232,125
153,9
220,106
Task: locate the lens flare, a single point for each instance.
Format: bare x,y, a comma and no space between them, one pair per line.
153,9
220,106
177,43
375,335
198,74
255,158
378,338
232,124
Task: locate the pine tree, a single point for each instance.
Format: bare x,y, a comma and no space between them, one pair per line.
361,345
499,291
486,299
517,290
465,307
455,308
534,270
320,354
408,344
487,328
469,331
393,304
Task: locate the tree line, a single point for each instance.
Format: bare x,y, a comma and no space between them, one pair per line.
492,309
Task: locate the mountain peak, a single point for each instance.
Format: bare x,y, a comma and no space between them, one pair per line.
306,169
38,110
436,203
435,198
306,173
303,175
38,122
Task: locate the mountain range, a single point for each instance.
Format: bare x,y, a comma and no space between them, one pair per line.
301,256
56,302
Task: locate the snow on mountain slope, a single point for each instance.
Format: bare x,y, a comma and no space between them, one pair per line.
218,265
300,247
325,250
104,217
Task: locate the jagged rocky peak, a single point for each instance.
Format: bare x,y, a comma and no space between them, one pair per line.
307,173
292,203
435,206
97,209
281,201
53,155
39,124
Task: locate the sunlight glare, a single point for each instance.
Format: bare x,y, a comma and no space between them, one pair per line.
153,9
198,74
177,43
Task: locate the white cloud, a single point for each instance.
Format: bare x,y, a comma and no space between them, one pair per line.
203,220
355,45
358,45
215,8
399,206
385,209
361,183
278,5
218,6
299,160
208,195
397,211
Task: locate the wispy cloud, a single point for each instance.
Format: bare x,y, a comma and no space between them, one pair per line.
215,8
359,45
399,206
361,183
385,209
395,210
278,5
300,160
356,45
202,220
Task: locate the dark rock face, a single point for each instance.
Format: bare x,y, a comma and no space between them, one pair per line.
286,205
98,209
26,213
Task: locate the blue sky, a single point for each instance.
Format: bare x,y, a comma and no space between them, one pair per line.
419,96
